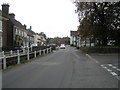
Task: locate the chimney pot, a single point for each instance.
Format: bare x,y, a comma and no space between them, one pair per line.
5,8
24,26
30,27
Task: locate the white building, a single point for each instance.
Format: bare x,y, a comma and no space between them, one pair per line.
39,40
73,38
0,29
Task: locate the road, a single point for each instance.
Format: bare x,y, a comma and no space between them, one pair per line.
64,68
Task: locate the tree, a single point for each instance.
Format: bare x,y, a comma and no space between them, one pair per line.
43,34
96,21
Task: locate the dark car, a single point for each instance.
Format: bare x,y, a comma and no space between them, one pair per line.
17,48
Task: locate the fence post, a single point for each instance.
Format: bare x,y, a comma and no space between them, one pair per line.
11,52
50,49
18,53
47,50
35,54
44,51
3,53
28,56
31,48
39,52
4,60
23,50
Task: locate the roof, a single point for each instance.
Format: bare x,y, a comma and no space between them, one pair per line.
31,31
0,12
17,23
73,33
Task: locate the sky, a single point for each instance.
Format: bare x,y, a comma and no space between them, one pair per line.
53,17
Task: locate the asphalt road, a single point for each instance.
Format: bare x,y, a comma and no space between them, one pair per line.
65,68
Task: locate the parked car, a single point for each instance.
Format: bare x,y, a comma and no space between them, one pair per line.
17,48
62,46
32,45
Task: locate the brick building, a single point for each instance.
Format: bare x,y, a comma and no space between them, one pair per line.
14,33
30,36
0,29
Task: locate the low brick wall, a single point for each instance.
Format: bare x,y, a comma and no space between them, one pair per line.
100,49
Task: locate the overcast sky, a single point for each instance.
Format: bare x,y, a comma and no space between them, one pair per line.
53,17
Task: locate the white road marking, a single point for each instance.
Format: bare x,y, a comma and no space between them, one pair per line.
109,70
109,64
113,73
102,65
114,67
92,58
105,67
117,77
118,69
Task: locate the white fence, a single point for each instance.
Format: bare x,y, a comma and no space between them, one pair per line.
18,54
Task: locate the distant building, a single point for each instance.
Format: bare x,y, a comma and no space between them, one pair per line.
73,38
0,30
43,40
30,36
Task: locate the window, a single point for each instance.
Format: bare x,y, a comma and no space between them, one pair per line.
0,25
16,32
0,40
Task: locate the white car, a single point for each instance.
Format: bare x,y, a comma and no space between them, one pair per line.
62,46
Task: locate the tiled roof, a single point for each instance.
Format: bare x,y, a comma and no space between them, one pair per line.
31,31
17,23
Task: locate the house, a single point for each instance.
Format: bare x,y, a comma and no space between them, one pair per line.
73,38
30,36
0,30
18,32
43,40
37,40
13,30
14,33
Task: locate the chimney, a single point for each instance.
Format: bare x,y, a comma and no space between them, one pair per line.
24,26
5,9
30,27
12,15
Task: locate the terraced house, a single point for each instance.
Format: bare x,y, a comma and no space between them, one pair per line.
0,29
14,33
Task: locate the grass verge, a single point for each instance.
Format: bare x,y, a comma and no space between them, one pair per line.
26,61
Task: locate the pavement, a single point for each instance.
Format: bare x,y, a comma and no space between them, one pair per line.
65,68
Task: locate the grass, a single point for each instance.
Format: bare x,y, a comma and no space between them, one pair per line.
26,61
